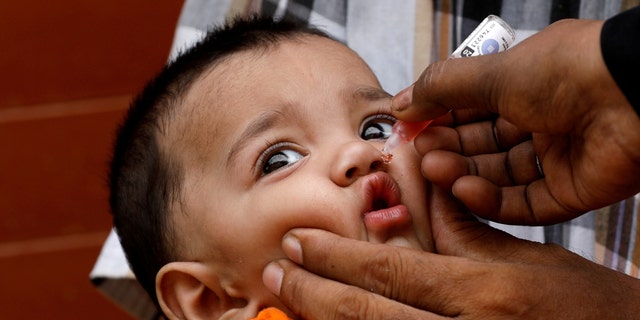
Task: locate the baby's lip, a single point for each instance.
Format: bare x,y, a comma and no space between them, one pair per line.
384,212
380,192
386,219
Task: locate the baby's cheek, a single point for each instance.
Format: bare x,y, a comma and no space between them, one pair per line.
328,208
414,191
406,168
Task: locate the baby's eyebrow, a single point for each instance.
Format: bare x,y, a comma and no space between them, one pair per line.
263,122
371,94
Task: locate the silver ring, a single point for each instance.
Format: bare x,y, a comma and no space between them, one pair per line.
539,166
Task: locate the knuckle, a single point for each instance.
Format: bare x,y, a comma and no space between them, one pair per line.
355,304
508,293
293,290
429,72
385,272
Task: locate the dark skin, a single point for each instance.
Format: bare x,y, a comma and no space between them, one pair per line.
478,273
585,133
586,137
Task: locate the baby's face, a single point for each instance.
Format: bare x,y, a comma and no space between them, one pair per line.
287,138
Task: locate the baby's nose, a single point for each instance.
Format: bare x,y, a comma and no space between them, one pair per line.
355,159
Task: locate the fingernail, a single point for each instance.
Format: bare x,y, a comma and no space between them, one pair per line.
272,277
292,248
453,190
402,100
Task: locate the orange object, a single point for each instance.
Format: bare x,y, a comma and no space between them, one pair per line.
271,313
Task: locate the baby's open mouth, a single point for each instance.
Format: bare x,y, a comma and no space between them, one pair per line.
385,211
378,204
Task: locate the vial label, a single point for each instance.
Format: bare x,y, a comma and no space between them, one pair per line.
492,35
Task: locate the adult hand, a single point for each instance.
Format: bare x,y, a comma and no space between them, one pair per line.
480,273
555,84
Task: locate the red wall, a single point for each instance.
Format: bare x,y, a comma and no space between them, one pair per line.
68,69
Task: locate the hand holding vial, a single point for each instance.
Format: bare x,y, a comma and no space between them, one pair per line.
492,35
553,101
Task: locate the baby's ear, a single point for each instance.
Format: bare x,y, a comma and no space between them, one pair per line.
191,290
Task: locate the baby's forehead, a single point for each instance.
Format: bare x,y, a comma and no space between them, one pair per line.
210,99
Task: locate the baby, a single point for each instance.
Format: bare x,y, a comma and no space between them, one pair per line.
261,127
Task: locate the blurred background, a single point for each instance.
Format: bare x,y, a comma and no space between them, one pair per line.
68,71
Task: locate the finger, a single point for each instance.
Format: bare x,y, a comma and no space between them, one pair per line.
518,166
544,207
437,138
378,268
443,168
507,134
476,137
521,164
468,139
458,233
401,107
449,84
530,204
467,116
480,196
462,116
490,136
313,297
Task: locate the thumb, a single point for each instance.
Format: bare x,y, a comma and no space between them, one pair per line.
457,232
449,84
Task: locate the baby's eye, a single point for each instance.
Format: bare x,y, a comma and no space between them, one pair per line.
277,157
377,127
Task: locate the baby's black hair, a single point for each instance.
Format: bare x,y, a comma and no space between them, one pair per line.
146,181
